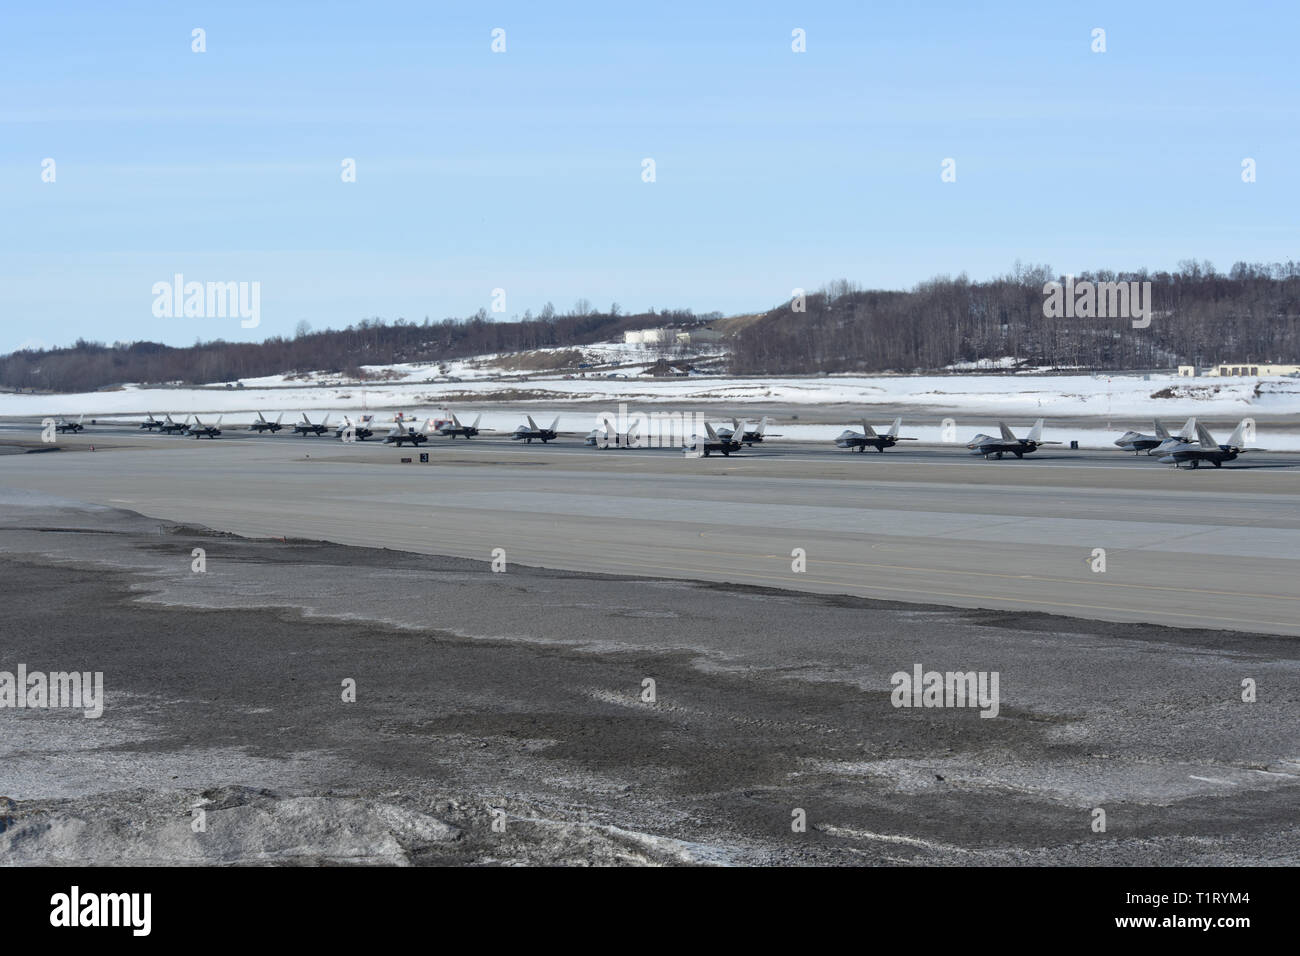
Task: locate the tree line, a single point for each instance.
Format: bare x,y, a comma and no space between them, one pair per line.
87,366
1199,316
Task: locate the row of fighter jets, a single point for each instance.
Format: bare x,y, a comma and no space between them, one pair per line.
1182,448
1191,445
401,433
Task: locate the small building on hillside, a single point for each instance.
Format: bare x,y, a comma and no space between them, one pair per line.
1249,369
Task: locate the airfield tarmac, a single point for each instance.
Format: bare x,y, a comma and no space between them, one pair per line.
522,691
1216,548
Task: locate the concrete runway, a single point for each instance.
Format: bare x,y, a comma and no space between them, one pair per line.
1213,548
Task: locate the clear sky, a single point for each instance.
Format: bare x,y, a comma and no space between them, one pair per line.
522,170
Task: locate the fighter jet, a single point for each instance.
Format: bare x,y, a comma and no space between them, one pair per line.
1137,443
360,431
748,437
530,431
150,423
607,438
63,425
262,425
200,430
1204,449
1009,444
714,442
170,427
306,427
454,427
401,433
868,438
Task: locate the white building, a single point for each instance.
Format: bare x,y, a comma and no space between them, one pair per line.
1244,368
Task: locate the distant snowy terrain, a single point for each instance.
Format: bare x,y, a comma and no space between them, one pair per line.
976,401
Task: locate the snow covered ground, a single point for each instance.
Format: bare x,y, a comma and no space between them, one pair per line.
1021,395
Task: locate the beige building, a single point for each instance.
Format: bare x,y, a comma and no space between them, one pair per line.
1239,368
1252,369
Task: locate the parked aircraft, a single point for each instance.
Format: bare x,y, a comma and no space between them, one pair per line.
1137,443
749,438
170,427
262,425
306,427
1009,444
150,423
606,438
360,431
401,434
530,431
63,425
869,438
713,442
1205,449
454,427
200,430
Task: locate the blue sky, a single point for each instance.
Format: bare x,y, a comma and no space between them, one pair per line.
522,170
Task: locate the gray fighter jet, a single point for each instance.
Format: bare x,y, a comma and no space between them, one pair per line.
714,442
868,438
307,427
1204,449
1137,443
530,431
200,430
262,425
1009,444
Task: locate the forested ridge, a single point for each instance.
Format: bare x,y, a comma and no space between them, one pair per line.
1199,316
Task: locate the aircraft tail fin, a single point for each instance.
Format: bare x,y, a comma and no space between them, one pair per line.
710,432
325,422
279,418
1007,433
1189,429
454,420
477,419
1205,438
867,430
1036,433
532,424
555,424
893,429
1161,431
1238,437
